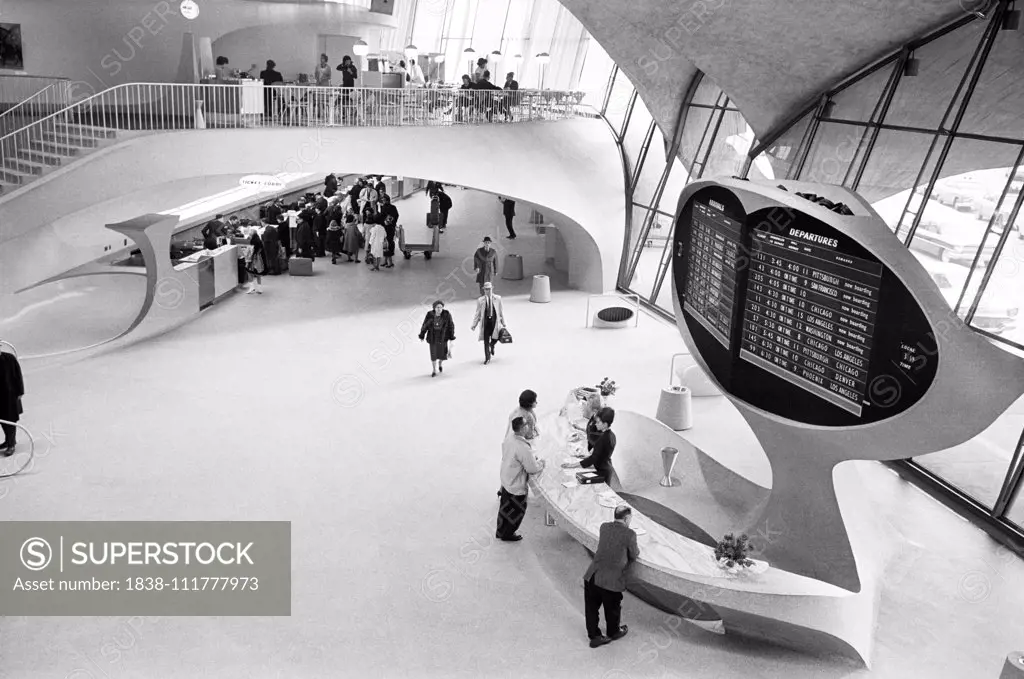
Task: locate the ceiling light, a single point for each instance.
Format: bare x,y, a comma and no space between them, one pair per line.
543,58
361,48
411,51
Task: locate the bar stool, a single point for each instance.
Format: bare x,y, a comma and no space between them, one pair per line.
541,291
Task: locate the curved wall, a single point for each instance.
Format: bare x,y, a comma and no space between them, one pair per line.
571,167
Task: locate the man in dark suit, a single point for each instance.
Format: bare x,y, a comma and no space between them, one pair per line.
605,580
508,208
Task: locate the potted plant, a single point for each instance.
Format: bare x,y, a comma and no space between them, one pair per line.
607,388
732,553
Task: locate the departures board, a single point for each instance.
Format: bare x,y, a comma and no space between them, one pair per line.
796,318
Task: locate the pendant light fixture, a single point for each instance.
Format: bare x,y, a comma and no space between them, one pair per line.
411,51
496,54
439,57
361,48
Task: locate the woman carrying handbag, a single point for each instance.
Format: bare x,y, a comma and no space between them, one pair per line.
439,330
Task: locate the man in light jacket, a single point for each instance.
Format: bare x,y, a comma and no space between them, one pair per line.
517,463
605,580
490,316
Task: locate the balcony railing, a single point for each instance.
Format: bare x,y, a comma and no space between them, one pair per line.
144,106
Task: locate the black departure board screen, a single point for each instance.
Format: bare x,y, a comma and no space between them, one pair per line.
810,315
711,280
795,317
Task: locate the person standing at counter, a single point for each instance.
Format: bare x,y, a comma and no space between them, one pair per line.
600,457
213,230
269,76
284,233
438,330
605,579
272,246
322,73
517,463
528,411
223,71
256,263
330,185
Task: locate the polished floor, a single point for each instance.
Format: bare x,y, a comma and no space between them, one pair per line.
313,403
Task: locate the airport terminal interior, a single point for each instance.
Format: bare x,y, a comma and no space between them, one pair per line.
792,268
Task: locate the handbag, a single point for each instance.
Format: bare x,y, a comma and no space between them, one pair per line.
504,336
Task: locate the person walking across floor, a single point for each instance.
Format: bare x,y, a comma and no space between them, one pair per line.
485,262
600,457
517,463
438,330
12,388
490,316
508,208
605,579
444,205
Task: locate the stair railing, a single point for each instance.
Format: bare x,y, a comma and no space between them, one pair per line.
52,98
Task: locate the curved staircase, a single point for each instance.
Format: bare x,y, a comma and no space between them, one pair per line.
49,147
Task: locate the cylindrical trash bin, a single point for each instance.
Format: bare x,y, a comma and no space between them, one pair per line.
675,408
1013,668
513,270
541,291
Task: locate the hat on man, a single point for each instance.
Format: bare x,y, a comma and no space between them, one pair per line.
487,239
488,285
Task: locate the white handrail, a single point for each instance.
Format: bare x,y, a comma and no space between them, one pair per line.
167,106
54,97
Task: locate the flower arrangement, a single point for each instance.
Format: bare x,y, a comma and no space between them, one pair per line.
607,387
732,552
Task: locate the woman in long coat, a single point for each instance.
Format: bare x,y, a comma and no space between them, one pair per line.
375,245
256,264
352,240
272,248
389,242
438,329
334,240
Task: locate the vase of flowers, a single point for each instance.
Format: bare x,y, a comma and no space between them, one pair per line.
607,388
732,553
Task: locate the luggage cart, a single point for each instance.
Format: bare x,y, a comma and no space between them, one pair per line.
428,249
